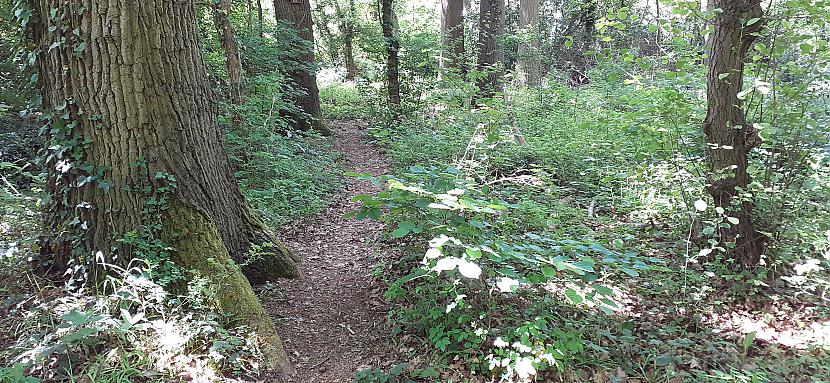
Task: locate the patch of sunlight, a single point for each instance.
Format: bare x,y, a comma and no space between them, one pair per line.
793,334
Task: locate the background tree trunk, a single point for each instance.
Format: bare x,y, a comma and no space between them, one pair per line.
297,13
144,154
347,30
529,65
221,14
328,41
729,136
260,16
387,23
490,55
452,34
587,42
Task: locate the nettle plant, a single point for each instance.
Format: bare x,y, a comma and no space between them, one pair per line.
472,283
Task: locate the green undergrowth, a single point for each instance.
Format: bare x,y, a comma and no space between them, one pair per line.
131,329
285,175
575,257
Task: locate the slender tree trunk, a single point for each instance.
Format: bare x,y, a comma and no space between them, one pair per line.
452,34
729,136
347,29
529,65
659,27
249,15
387,23
136,152
490,55
587,42
260,17
297,13
327,40
227,38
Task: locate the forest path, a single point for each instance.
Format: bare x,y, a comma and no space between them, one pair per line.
332,319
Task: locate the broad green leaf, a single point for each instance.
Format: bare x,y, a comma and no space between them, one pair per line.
574,296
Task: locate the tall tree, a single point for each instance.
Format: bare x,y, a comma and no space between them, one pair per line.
490,54
297,13
388,27
586,19
136,151
328,41
233,64
260,17
729,136
347,29
529,64
452,34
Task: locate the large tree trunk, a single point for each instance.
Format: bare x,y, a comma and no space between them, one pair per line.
136,151
490,55
529,65
297,13
729,136
221,15
452,34
387,23
347,29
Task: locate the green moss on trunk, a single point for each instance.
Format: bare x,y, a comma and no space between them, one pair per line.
273,260
199,248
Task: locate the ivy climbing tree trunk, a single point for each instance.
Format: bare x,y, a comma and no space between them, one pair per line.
233,64
529,64
490,55
452,34
388,27
729,136
136,156
297,13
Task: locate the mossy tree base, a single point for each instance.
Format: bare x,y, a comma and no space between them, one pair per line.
199,248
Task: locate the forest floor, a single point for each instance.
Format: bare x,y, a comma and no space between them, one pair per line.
333,318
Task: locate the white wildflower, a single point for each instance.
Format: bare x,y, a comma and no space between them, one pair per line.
469,269
500,343
524,368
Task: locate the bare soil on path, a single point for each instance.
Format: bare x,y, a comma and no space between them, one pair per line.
333,318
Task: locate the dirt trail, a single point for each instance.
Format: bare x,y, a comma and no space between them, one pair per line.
332,319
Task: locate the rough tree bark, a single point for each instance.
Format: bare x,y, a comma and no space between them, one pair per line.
452,34
729,136
490,55
388,27
347,29
529,64
233,64
137,149
297,13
